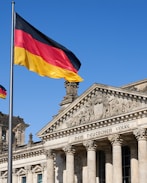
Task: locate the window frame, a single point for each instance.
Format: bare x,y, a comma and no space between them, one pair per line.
38,178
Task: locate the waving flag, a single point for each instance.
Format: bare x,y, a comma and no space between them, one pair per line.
43,55
3,92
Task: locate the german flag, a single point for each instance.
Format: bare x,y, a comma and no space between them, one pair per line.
43,55
3,92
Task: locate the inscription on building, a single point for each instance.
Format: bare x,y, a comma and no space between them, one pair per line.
122,127
101,132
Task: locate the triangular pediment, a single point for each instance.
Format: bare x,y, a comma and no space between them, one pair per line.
97,103
37,169
4,174
21,171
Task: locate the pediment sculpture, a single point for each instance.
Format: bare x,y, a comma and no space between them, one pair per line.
103,105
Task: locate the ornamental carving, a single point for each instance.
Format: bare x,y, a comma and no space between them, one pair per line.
49,154
115,139
103,105
90,145
140,133
69,149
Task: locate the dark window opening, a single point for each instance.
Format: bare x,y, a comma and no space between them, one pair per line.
23,179
3,135
39,178
101,165
126,164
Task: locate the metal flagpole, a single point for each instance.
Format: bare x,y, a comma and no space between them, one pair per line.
11,100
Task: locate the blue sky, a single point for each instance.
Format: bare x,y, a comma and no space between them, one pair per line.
108,37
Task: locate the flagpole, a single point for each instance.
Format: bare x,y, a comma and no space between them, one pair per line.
11,99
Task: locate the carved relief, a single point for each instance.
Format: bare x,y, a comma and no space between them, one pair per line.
49,153
115,139
103,105
90,145
140,133
69,149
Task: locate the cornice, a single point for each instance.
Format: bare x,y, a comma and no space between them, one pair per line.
23,154
28,154
135,83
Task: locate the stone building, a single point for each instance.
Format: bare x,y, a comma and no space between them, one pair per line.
98,137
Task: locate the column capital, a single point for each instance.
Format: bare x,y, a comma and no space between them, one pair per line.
90,145
140,133
69,149
49,153
115,139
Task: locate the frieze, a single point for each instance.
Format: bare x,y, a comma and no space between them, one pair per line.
101,132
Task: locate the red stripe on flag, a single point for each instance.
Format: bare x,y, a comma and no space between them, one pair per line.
50,54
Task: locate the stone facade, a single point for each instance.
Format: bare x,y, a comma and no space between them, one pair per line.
98,137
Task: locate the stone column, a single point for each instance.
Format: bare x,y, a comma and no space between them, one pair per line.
91,160
43,165
117,157
18,133
134,163
29,172
7,135
108,165
69,150
141,136
1,177
50,166
22,140
14,176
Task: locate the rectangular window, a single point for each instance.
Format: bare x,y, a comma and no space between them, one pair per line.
23,179
39,178
3,134
126,164
101,163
